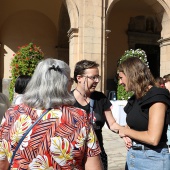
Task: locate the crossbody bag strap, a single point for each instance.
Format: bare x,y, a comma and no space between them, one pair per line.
91,111
25,134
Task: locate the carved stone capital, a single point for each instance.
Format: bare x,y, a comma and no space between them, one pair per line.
164,41
72,32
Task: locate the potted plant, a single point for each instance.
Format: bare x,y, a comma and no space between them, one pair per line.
24,63
121,93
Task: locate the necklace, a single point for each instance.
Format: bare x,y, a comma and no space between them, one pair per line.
84,96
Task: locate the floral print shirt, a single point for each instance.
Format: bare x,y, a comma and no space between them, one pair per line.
61,140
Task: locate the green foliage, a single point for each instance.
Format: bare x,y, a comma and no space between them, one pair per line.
24,63
121,93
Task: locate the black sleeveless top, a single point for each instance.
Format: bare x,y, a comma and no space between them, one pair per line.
138,110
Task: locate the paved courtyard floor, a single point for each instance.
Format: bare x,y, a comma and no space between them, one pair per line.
115,149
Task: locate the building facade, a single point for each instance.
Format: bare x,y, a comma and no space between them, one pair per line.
99,30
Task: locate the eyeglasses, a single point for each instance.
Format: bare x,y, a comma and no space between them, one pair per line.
94,78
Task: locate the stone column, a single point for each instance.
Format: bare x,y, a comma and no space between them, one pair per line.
90,33
165,56
73,48
87,40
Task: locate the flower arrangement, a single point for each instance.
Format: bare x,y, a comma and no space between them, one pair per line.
121,93
24,63
134,53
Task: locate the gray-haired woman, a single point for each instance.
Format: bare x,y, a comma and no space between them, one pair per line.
62,139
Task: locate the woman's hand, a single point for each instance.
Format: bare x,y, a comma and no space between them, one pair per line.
122,131
128,142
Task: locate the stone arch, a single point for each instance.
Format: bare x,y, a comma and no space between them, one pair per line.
161,11
73,12
29,25
157,5
153,8
46,18
62,46
162,3
21,28
110,5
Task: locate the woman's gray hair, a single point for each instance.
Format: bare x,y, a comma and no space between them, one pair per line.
48,86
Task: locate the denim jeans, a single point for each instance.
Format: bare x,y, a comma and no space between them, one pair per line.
157,159
168,135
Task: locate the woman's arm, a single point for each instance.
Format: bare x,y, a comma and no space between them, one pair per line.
116,127
4,164
155,126
111,122
93,163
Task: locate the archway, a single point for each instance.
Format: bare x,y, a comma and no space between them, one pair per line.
119,39
29,22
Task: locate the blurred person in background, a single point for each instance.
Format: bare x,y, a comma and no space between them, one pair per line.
4,104
20,86
159,82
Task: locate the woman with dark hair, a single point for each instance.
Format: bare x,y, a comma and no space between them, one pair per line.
146,117
61,139
95,103
20,85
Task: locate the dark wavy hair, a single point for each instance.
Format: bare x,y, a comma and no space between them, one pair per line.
138,76
21,83
82,65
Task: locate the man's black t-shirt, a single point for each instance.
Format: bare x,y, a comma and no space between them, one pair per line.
138,109
101,104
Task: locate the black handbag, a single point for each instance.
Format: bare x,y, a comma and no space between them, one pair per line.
25,134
